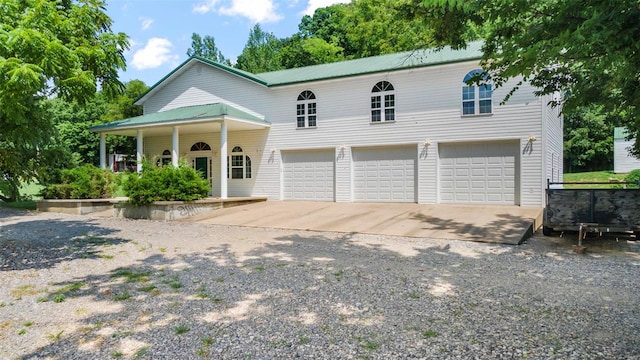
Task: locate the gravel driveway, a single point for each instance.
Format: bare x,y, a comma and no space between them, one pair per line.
77,287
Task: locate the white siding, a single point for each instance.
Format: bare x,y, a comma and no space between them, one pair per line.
427,172
622,161
553,141
200,84
428,102
343,173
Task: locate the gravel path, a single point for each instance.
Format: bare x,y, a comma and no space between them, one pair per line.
80,287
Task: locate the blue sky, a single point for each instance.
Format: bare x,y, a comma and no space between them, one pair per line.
160,30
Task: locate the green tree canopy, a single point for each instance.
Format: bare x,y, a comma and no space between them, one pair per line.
261,52
72,121
49,48
588,140
588,51
206,48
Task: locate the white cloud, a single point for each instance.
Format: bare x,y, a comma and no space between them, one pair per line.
155,53
258,11
205,7
314,4
145,22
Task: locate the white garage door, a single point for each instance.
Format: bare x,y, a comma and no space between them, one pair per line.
384,174
478,173
308,175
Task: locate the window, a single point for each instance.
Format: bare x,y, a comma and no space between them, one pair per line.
306,110
200,146
476,99
239,164
383,102
165,159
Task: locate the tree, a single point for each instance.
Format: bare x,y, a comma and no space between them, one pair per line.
207,49
329,24
588,140
298,52
589,51
49,48
369,27
72,121
261,53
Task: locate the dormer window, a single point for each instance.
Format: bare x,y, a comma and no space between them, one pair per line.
306,110
383,102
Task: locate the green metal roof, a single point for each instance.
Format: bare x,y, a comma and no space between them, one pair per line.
369,65
620,133
183,114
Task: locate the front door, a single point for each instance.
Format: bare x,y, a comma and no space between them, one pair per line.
202,166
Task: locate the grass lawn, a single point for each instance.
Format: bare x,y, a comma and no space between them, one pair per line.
594,176
31,191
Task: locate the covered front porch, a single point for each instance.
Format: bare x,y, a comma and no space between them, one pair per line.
194,121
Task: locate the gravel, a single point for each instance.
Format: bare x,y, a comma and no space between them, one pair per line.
82,287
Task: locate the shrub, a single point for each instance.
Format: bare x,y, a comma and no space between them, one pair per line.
83,182
634,177
165,183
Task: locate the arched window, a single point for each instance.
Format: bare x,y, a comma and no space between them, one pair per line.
239,164
306,110
166,157
383,101
476,99
200,146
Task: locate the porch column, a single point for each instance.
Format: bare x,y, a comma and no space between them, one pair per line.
175,146
223,160
103,151
139,151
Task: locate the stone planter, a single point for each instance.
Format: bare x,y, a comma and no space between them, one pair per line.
166,210
101,207
176,210
159,210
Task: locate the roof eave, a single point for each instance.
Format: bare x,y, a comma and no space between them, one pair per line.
190,121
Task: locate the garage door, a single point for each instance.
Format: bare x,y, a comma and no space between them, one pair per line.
478,173
384,174
308,175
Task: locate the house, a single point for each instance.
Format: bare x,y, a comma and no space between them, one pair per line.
623,162
394,128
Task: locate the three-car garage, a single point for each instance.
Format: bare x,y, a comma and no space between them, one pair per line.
467,173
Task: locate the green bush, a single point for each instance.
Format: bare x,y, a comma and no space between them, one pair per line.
634,177
83,182
165,183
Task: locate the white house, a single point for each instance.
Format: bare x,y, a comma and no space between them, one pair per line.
394,128
623,162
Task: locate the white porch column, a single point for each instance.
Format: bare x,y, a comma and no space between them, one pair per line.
223,160
139,151
103,151
175,139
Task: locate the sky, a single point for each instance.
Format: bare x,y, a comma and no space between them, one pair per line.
160,30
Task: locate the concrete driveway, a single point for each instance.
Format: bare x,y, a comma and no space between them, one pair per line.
495,224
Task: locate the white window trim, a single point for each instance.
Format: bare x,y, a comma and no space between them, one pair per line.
245,158
306,103
383,107
476,97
